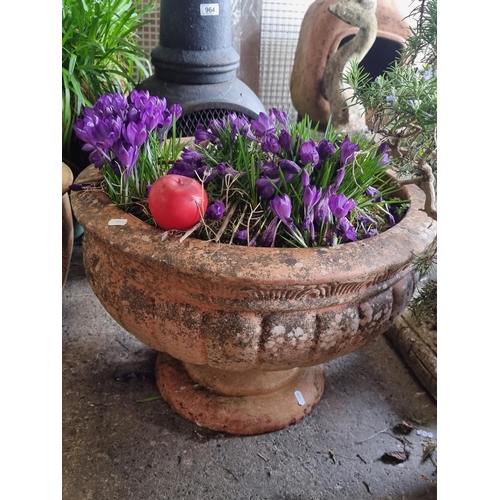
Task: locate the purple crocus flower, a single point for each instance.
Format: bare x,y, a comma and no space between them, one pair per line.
216,210
152,116
133,114
340,205
107,132
311,196
139,97
135,133
176,110
217,127
84,128
370,233
309,154
202,134
193,157
253,241
282,207
368,225
289,168
270,144
308,226
225,169
269,169
391,220
182,168
339,177
364,219
346,230
126,154
325,149
374,193
96,158
241,235
266,187
322,212
269,234
304,178
263,125
239,125
384,159
97,132
278,117
285,141
118,103
347,150
164,123
110,105
330,237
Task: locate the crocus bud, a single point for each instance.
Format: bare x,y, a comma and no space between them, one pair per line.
216,210
308,153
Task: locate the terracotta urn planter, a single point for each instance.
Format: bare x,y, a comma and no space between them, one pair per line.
242,332
67,222
322,35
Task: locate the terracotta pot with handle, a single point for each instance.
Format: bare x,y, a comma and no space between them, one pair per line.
321,35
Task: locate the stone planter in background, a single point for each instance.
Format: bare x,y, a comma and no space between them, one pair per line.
67,222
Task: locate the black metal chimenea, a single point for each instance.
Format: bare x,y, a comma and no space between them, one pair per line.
195,64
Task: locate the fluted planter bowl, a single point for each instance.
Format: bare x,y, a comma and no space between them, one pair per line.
242,332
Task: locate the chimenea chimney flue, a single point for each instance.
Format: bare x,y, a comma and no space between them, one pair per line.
195,64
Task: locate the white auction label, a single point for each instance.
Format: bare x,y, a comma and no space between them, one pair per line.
300,398
209,9
117,222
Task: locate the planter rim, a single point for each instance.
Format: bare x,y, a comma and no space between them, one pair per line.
352,261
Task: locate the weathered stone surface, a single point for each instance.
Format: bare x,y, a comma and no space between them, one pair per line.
417,344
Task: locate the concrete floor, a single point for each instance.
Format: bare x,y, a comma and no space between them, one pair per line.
115,447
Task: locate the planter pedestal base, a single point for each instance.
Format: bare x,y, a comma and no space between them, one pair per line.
266,403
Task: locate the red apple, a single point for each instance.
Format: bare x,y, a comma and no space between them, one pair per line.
177,202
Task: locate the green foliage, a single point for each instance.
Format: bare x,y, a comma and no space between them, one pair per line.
100,54
422,43
402,104
424,304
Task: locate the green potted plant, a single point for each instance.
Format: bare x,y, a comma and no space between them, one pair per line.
100,54
402,112
298,249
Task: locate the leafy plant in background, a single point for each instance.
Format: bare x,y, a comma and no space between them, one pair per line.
100,54
402,112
